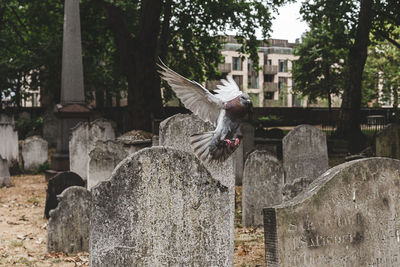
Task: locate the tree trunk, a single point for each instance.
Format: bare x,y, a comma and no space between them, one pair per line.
138,63
349,118
144,97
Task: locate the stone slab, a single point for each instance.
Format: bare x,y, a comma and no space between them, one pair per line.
262,186
349,216
161,207
388,142
68,226
305,157
8,141
34,152
82,141
106,155
5,179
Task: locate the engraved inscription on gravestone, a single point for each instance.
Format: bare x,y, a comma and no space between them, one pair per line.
349,216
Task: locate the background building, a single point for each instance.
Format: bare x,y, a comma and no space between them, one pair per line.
272,84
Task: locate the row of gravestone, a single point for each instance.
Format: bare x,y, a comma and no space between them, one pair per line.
34,150
161,206
267,182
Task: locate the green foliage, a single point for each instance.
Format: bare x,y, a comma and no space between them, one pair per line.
41,168
319,71
270,118
26,126
382,69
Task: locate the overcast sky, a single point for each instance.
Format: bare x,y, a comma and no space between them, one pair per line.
288,24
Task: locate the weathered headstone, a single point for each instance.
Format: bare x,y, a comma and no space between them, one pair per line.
106,155
161,207
262,186
34,152
247,144
68,226
388,142
175,132
305,157
349,216
57,185
82,141
5,179
8,140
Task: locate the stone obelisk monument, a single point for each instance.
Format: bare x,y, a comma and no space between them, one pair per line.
72,108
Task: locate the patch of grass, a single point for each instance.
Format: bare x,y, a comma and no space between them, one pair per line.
41,168
16,243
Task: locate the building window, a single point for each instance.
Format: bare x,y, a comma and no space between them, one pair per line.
252,81
269,95
283,65
268,78
238,80
236,63
282,83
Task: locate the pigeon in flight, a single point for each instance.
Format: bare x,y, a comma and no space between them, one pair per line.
226,110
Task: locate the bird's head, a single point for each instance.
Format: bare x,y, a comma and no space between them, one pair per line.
245,101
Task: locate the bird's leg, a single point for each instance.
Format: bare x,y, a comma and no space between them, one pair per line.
228,142
237,141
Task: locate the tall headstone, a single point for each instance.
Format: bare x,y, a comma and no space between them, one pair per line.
68,227
56,186
388,142
262,186
34,152
106,155
161,207
5,179
175,132
83,138
305,157
8,141
349,216
72,108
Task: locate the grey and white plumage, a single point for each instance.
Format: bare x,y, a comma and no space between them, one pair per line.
225,110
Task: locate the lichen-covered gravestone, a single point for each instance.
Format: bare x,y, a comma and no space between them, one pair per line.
34,152
82,141
9,141
107,154
262,186
68,227
160,208
175,132
388,142
4,173
349,216
57,185
305,157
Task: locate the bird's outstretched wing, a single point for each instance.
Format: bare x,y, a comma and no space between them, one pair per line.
193,95
228,90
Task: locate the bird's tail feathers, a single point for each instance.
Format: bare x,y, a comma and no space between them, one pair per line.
200,144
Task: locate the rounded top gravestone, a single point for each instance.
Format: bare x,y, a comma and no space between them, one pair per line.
349,216
160,207
262,186
305,154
